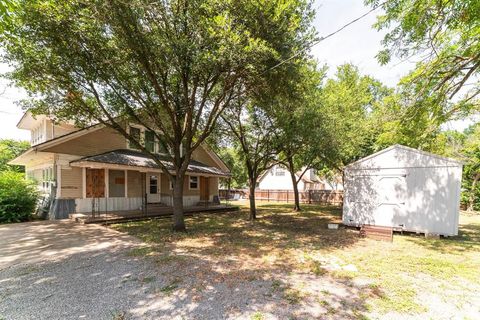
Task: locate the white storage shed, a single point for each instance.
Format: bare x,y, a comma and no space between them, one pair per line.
404,188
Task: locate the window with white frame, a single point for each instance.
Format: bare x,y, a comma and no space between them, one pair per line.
37,135
47,178
193,185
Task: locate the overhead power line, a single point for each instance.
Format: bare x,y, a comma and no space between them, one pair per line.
325,37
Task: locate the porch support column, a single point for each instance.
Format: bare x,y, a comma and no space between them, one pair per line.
107,184
126,183
84,183
59,181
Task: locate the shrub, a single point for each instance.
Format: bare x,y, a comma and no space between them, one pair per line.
18,197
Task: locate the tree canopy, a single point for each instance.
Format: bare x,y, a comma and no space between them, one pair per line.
171,66
9,150
444,36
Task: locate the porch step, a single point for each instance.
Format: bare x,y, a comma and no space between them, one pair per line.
156,205
377,232
205,203
78,217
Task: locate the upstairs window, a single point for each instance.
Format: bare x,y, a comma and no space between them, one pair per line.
161,148
150,141
148,138
279,171
135,134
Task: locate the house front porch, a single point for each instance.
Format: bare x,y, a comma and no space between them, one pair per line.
127,183
150,212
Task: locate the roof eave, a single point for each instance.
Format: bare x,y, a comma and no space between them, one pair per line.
99,165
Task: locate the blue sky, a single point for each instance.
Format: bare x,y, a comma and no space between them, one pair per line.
357,44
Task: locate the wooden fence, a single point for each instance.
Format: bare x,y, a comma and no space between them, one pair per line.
311,196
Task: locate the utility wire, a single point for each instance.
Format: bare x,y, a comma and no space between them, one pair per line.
325,37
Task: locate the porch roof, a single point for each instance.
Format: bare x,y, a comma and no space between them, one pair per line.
132,158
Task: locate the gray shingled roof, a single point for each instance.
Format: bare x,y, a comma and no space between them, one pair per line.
138,159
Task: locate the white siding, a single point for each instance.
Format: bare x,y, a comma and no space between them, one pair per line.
272,181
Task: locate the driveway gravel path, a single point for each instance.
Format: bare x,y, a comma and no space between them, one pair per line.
63,270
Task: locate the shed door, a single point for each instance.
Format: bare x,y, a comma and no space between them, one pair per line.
391,196
361,194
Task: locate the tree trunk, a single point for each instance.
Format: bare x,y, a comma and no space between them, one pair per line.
291,168
296,206
471,198
178,217
253,210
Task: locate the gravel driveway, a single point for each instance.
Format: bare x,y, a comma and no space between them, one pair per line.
63,270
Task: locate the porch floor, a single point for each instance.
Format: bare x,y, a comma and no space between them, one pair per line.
155,212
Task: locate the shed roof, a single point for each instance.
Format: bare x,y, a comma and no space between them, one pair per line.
132,158
397,156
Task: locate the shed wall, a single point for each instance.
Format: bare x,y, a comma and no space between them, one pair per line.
419,199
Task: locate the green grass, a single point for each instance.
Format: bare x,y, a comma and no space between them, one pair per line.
170,288
257,316
283,241
140,252
293,296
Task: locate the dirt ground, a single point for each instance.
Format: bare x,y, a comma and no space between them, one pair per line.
288,265
285,265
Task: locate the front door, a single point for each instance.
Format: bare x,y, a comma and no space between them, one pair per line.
204,192
153,187
95,183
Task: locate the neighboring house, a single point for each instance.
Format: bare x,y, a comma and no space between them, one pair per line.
278,178
97,169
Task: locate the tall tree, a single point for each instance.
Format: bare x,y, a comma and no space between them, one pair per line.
303,135
470,154
252,133
349,102
445,37
233,159
396,122
171,66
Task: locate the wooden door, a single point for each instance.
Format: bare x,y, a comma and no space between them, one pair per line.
95,183
204,192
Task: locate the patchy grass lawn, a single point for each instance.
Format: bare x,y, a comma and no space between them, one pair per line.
289,265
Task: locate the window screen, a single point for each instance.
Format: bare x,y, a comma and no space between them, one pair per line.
150,141
135,134
116,183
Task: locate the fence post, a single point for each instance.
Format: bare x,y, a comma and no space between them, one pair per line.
268,195
287,195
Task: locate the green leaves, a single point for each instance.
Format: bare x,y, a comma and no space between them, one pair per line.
444,36
9,150
18,197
